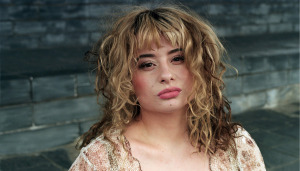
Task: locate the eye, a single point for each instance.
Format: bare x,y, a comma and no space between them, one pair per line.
178,60
146,66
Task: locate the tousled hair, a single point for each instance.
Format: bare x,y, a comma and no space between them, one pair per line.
209,112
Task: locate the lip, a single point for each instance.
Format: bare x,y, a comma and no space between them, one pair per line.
168,93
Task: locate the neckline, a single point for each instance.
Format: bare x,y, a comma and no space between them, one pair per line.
128,149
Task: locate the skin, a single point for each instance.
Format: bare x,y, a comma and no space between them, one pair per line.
159,137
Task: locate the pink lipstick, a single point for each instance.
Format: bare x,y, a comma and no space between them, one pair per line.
169,93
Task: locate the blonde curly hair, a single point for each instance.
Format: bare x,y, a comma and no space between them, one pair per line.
209,113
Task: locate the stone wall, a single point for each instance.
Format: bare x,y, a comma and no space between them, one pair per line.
42,111
73,23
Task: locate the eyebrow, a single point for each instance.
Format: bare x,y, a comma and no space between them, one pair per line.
151,55
174,50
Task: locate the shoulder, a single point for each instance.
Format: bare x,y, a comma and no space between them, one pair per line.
248,154
247,158
94,156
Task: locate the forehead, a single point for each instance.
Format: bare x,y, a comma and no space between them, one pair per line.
162,43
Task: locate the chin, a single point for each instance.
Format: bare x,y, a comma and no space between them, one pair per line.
171,108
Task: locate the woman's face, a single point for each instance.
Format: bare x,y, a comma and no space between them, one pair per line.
161,81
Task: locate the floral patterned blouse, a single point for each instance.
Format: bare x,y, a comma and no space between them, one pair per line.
100,155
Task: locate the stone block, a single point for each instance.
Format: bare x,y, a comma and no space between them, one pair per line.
78,1
223,31
283,27
75,39
75,25
4,12
28,41
277,79
237,66
5,42
85,126
100,10
119,1
59,156
253,29
5,2
79,25
85,84
45,88
293,61
95,36
55,26
256,64
287,6
23,41
290,18
53,39
215,9
26,2
255,8
5,28
66,110
294,76
218,9
24,12
271,18
232,9
272,157
51,12
242,103
68,39
27,162
233,86
277,63
233,21
274,18
29,27
15,91
282,95
72,11
15,117
263,81
291,132
296,27
255,82
52,2
201,10
37,139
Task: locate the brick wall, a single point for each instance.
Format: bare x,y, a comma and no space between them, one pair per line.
47,24
45,107
43,112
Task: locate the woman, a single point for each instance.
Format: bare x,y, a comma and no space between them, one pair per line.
160,72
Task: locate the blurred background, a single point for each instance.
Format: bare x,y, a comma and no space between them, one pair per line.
47,99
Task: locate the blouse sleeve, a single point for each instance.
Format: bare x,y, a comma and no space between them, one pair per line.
92,157
248,154
82,163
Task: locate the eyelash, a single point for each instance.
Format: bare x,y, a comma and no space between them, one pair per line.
175,59
179,57
143,65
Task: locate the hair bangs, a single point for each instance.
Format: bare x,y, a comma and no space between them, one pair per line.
151,26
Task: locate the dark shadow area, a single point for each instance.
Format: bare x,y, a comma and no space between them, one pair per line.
42,62
276,134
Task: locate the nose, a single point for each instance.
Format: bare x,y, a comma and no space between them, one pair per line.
166,74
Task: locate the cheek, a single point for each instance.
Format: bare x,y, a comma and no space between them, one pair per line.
138,84
188,79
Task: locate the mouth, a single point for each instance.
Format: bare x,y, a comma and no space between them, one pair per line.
169,93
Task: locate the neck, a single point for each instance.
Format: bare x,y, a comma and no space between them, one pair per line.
162,128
